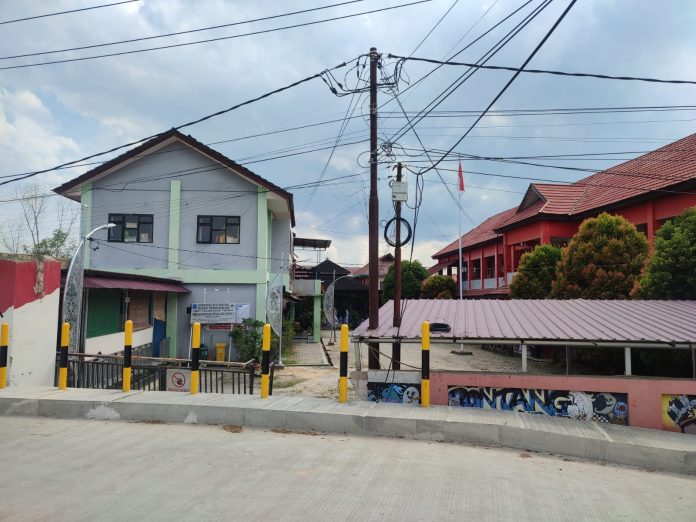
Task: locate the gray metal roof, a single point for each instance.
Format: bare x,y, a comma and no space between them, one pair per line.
568,322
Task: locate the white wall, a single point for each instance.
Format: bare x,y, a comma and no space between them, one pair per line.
112,343
33,335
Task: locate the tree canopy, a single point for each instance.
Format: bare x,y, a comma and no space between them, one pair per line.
671,271
602,261
438,287
535,273
412,274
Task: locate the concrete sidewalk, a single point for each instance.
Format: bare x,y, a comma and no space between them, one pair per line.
665,451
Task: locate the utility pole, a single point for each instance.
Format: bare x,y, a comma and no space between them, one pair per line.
373,348
396,346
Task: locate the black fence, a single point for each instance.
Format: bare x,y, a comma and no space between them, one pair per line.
150,374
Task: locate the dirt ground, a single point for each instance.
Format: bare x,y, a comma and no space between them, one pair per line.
322,381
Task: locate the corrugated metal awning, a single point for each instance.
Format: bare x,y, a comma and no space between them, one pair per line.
133,284
574,322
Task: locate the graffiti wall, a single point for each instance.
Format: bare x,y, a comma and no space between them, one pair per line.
393,392
588,406
679,413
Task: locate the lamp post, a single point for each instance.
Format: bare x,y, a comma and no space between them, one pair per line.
72,296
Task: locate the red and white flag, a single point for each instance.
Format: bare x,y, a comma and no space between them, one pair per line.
461,178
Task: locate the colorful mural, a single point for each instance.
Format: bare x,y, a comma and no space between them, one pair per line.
679,413
393,392
588,406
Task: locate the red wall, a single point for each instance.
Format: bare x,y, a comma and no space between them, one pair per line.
644,393
18,278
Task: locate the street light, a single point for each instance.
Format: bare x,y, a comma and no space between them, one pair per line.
72,295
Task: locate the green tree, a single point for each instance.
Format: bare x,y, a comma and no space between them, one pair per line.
59,245
412,274
602,261
438,287
536,273
671,271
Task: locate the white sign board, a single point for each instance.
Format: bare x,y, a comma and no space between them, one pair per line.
213,313
242,311
178,380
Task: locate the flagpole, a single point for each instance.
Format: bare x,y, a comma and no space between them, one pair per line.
459,276
459,273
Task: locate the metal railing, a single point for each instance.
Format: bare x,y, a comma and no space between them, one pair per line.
150,373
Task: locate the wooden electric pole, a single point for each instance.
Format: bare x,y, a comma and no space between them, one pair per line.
396,346
373,348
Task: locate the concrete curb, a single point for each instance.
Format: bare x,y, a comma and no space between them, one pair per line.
664,451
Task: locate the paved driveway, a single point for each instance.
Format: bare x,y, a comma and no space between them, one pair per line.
100,470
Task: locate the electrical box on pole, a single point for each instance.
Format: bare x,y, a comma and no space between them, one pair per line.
399,191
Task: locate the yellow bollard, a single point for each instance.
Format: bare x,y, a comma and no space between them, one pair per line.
4,344
425,366
343,366
63,360
265,359
195,353
127,354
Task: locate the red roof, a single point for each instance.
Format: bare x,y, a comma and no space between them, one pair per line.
670,165
659,169
662,168
482,233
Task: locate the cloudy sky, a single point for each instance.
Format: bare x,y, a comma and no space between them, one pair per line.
54,113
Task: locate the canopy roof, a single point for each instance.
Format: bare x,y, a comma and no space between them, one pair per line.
576,322
103,279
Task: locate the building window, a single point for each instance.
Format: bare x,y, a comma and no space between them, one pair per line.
218,229
131,228
643,228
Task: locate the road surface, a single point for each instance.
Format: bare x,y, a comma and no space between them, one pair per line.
93,470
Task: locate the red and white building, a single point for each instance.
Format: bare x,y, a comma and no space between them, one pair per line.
647,191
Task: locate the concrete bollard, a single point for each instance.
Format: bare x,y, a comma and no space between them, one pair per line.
425,365
63,358
343,366
265,360
195,357
127,355
4,344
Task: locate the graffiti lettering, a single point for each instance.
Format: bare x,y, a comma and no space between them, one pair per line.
393,392
590,406
679,413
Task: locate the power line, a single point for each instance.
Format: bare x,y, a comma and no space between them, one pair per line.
66,12
435,26
220,38
188,124
514,77
450,89
178,33
542,71
446,114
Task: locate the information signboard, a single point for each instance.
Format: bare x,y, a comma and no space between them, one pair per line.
213,313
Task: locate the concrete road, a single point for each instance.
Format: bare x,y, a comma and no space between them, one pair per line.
104,470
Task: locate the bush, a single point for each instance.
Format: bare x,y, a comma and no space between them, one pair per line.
602,261
536,273
248,337
439,287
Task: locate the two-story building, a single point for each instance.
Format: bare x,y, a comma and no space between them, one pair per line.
183,211
647,191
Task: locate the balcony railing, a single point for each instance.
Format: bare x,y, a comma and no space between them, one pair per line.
475,284
489,282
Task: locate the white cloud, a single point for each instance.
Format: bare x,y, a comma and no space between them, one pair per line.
29,135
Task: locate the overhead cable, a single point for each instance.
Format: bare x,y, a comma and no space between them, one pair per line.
67,12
